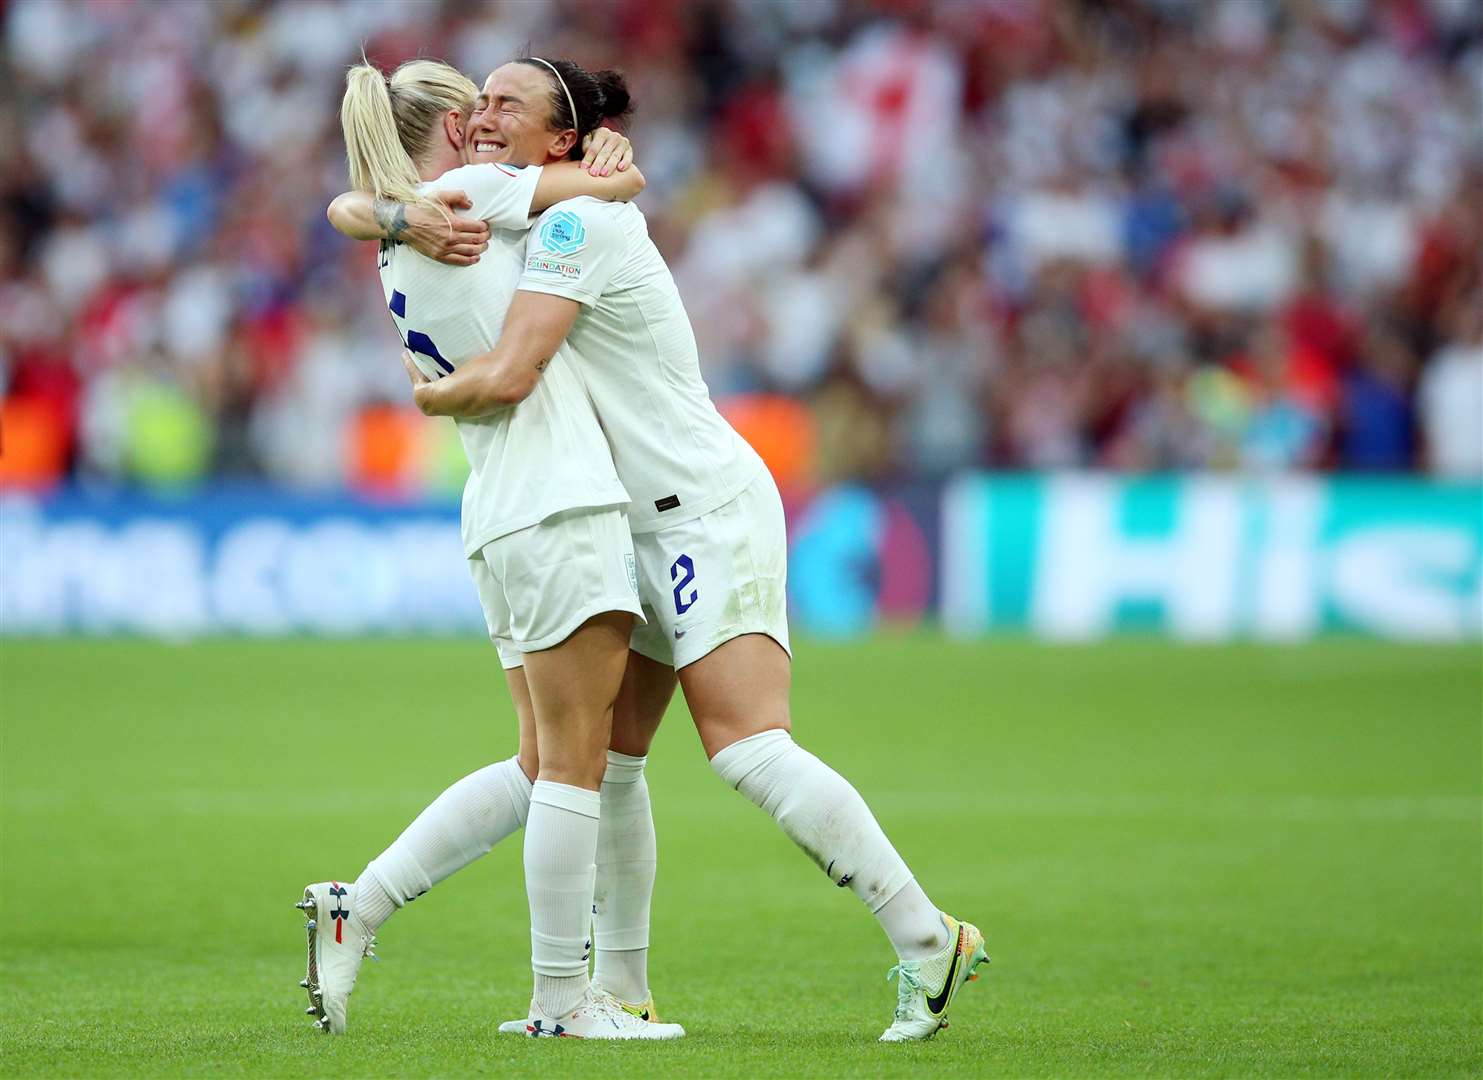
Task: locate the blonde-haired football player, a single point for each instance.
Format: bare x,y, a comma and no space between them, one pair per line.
545,532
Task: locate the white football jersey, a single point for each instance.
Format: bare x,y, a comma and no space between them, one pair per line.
531,460
635,350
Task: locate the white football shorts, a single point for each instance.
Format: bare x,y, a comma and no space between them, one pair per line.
705,581
537,585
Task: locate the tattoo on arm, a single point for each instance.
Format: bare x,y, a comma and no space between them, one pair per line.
391,216
541,364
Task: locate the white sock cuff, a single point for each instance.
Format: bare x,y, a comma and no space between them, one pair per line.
410,870
743,757
567,797
518,785
546,957
897,878
623,768
621,941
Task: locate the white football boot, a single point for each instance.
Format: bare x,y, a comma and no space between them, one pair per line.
338,942
599,1015
927,987
644,1010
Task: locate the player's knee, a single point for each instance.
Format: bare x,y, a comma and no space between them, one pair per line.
634,728
577,773
580,762
721,730
634,742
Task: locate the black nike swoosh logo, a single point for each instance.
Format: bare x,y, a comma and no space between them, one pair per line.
936,1004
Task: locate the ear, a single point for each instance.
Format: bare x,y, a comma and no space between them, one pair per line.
562,144
454,126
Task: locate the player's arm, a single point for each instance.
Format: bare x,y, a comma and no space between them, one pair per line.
606,173
451,239
535,326
570,180
460,240
572,254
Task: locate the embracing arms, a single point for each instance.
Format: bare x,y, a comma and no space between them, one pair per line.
606,173
535,326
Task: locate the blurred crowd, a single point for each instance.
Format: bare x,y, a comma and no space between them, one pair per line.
912,237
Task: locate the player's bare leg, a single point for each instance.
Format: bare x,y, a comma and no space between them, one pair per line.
626,849
738,690
573,688
648,688
529,754
738,695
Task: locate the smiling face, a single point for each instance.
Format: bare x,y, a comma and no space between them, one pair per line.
512,120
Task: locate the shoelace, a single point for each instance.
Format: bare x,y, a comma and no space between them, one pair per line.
369,949
608,1006
599,1008
910,984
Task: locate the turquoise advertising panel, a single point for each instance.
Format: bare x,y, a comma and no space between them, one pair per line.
1204,558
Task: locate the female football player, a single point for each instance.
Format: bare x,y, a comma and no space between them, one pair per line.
545,532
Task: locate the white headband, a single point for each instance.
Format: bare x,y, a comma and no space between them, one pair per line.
570,103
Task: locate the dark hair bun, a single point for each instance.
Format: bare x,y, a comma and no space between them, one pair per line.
616,103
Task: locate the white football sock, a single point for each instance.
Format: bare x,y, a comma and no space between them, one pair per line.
462,824
626,858
825,816
907,919
560,867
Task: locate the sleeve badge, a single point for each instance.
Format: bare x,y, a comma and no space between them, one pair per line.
563,233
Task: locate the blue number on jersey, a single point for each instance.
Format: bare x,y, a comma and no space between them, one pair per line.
683,603
419,342
416,340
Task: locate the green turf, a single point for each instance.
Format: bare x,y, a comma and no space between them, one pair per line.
1216,861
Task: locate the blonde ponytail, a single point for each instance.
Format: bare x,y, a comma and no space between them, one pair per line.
390,124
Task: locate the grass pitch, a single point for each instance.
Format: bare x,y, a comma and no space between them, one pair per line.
1215,861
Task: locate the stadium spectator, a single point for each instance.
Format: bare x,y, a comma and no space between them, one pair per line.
1146,235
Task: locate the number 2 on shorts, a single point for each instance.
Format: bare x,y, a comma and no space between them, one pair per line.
683,565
